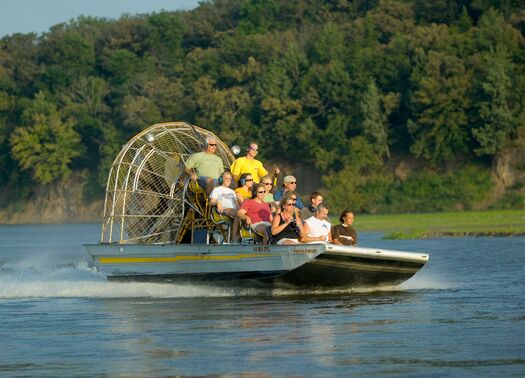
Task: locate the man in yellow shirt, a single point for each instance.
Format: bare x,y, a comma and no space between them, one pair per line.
248,164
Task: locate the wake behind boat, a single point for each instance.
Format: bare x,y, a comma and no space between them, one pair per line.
159,226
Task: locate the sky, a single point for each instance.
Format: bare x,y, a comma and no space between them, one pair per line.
26,16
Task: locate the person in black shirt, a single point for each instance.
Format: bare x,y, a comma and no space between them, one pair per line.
344,233
287,224
316,198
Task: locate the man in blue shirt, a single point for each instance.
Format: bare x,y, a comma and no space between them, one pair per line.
290,185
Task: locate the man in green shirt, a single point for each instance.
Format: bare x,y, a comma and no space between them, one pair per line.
205,167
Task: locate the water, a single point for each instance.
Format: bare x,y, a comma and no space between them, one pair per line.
462,315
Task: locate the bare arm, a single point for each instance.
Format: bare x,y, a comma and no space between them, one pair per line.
242,216
240,198
306,239
276,228
190,172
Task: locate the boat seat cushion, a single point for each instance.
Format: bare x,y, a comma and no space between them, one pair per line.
216,217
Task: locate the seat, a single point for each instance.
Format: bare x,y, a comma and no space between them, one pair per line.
249,235
223,223
195,188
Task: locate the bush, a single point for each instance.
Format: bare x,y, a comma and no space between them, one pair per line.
432,191
510,200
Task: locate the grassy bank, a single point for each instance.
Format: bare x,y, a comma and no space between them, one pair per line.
461,223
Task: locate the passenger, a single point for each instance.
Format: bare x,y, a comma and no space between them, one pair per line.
256,213
316,228
224,197
344,233
245,185
268,198
287,226
316,199
268,186
251,165
290,184
293,197
227,203
205,167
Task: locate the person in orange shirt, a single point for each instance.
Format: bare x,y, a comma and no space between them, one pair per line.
245,185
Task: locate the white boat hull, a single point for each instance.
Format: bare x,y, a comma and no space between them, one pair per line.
302,265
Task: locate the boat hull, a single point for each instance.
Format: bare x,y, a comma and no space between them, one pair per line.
355,267
302,265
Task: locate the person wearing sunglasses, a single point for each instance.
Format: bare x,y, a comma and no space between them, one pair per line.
256,213
244,187
250,164
224,197
287,226
205,167
289,185
267,181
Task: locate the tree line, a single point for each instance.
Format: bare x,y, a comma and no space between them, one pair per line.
352,88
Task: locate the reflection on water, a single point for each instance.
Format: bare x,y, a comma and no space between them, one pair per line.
461,315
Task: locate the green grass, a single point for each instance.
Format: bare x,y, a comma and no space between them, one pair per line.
460,223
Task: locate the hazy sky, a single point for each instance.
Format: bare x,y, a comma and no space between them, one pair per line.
25,16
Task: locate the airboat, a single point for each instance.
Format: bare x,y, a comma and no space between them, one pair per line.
158,226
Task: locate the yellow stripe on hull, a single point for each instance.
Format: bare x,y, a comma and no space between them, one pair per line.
139,260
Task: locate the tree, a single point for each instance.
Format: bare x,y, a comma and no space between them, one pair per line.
376,109
223,110
328,88
330,44
280,121
274,82
139,112
165,32
85,97
498,110
257,16
362,183
439,123
48,145
67,54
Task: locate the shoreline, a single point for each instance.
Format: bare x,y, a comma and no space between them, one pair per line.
486,223
451,234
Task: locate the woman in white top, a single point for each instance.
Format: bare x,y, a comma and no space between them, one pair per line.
317,228
224,197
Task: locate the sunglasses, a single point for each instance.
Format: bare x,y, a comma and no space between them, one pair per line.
292,182
248,180
261,191
267,183
212,144
288,204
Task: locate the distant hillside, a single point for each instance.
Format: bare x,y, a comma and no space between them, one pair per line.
400,106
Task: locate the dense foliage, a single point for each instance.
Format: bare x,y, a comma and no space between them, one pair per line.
350,87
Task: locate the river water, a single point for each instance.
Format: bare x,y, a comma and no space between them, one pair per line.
462,315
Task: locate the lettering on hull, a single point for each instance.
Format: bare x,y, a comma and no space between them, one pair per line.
304,251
